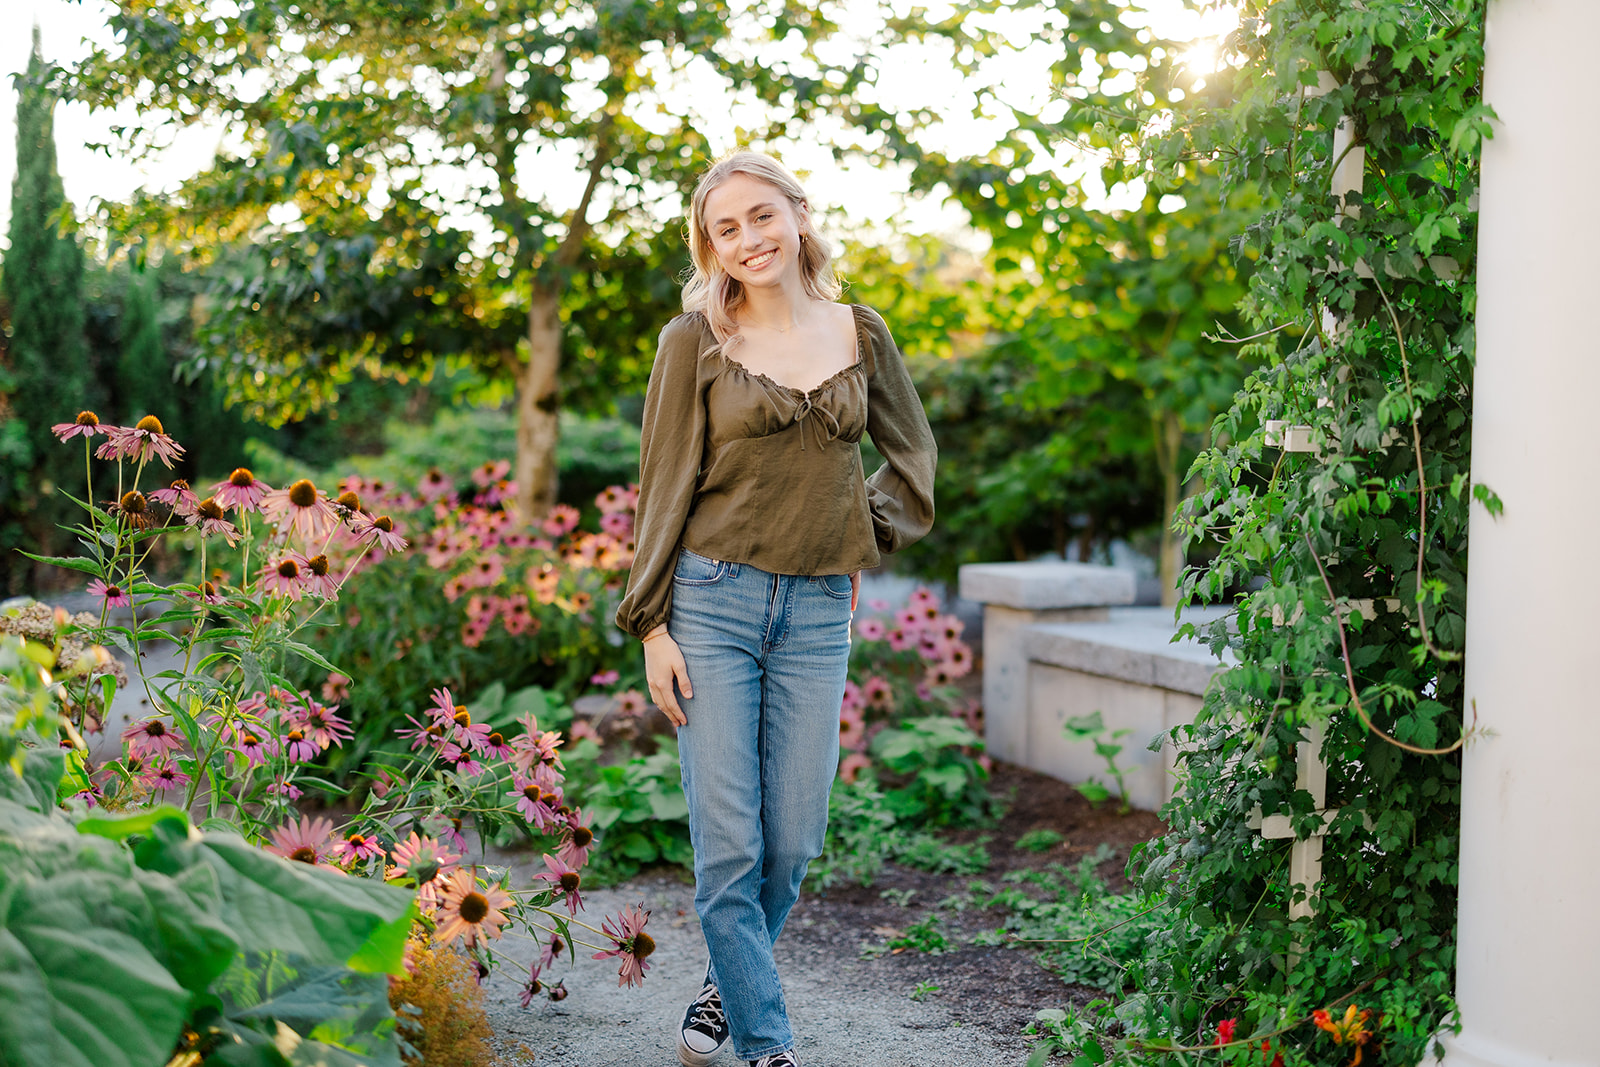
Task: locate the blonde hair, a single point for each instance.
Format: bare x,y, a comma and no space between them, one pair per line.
709,289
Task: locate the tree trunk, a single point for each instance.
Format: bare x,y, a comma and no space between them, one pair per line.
1169,436
538,404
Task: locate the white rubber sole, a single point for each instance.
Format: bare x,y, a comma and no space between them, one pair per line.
690,1058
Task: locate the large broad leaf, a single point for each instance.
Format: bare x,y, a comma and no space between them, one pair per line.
339,1018
318,915
84,996
35,787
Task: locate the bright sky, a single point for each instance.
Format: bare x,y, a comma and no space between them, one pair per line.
866,194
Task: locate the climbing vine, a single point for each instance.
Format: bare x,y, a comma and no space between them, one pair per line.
1346,557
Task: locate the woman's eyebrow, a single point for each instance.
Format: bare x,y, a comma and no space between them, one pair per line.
757,208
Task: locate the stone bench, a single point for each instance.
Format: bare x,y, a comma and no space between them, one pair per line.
1060,641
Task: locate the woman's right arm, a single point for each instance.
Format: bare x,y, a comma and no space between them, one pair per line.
672,439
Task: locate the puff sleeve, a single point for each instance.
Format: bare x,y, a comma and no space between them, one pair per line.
900,493
671,442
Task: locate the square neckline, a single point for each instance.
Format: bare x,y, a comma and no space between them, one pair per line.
836,376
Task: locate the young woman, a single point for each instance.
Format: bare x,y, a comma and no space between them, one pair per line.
754,522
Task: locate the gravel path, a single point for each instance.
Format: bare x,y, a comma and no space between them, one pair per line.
842,1014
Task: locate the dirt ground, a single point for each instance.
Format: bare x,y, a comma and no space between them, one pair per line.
996,988
844,930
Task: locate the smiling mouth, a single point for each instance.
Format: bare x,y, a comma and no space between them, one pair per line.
756,262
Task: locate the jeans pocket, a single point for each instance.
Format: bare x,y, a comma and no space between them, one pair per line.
695,569
835,585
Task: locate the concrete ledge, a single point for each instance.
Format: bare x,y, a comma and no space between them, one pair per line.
1131,649
1044,584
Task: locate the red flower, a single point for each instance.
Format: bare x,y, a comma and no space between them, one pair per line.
1225,1031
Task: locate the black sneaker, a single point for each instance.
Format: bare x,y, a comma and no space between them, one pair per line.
704,1032
786,1058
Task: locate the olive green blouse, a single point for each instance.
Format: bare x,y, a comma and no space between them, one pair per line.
736,467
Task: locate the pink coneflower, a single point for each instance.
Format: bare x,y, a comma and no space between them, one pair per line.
450,834
240,491
301,510
851,727
938,675
287,790
319,581
485,571
139,443
322,725
134,509
469,911
604,678
253,745
871,629
205,593
532,987
617,523
576,840
565,879
552,948
898,640
207,516
432,733
495,745
877,693
113,595
469,735
423,859
461,760
852,765
563,518
179,497
633,945
536,746
517,616
151,739
852,697
87,425
285,576
307,841
298,747
355,847
583,730
337,687
490,471
380,529
922,599
443,708
958,658
433,485
631,702
164,778
531,801
613,499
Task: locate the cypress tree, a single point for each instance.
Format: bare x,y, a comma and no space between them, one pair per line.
47,380
144,371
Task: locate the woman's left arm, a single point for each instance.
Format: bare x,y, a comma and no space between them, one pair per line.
900,493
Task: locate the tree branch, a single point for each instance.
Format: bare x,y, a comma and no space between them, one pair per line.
578,229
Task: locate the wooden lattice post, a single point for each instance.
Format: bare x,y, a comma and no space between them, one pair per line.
1305,855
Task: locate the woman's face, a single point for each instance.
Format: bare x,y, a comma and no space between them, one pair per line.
754,230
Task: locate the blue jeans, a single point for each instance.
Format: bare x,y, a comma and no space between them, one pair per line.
767,656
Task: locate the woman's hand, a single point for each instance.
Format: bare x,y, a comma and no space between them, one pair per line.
663,665
855,590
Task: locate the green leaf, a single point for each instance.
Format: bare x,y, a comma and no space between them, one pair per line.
317,915
77,563
80,995
117,826
306,652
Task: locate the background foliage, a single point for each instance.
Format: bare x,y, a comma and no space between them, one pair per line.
1356,551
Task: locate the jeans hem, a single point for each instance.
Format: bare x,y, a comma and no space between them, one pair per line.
773,1051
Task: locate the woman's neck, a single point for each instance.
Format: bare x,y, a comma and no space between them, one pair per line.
780,309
